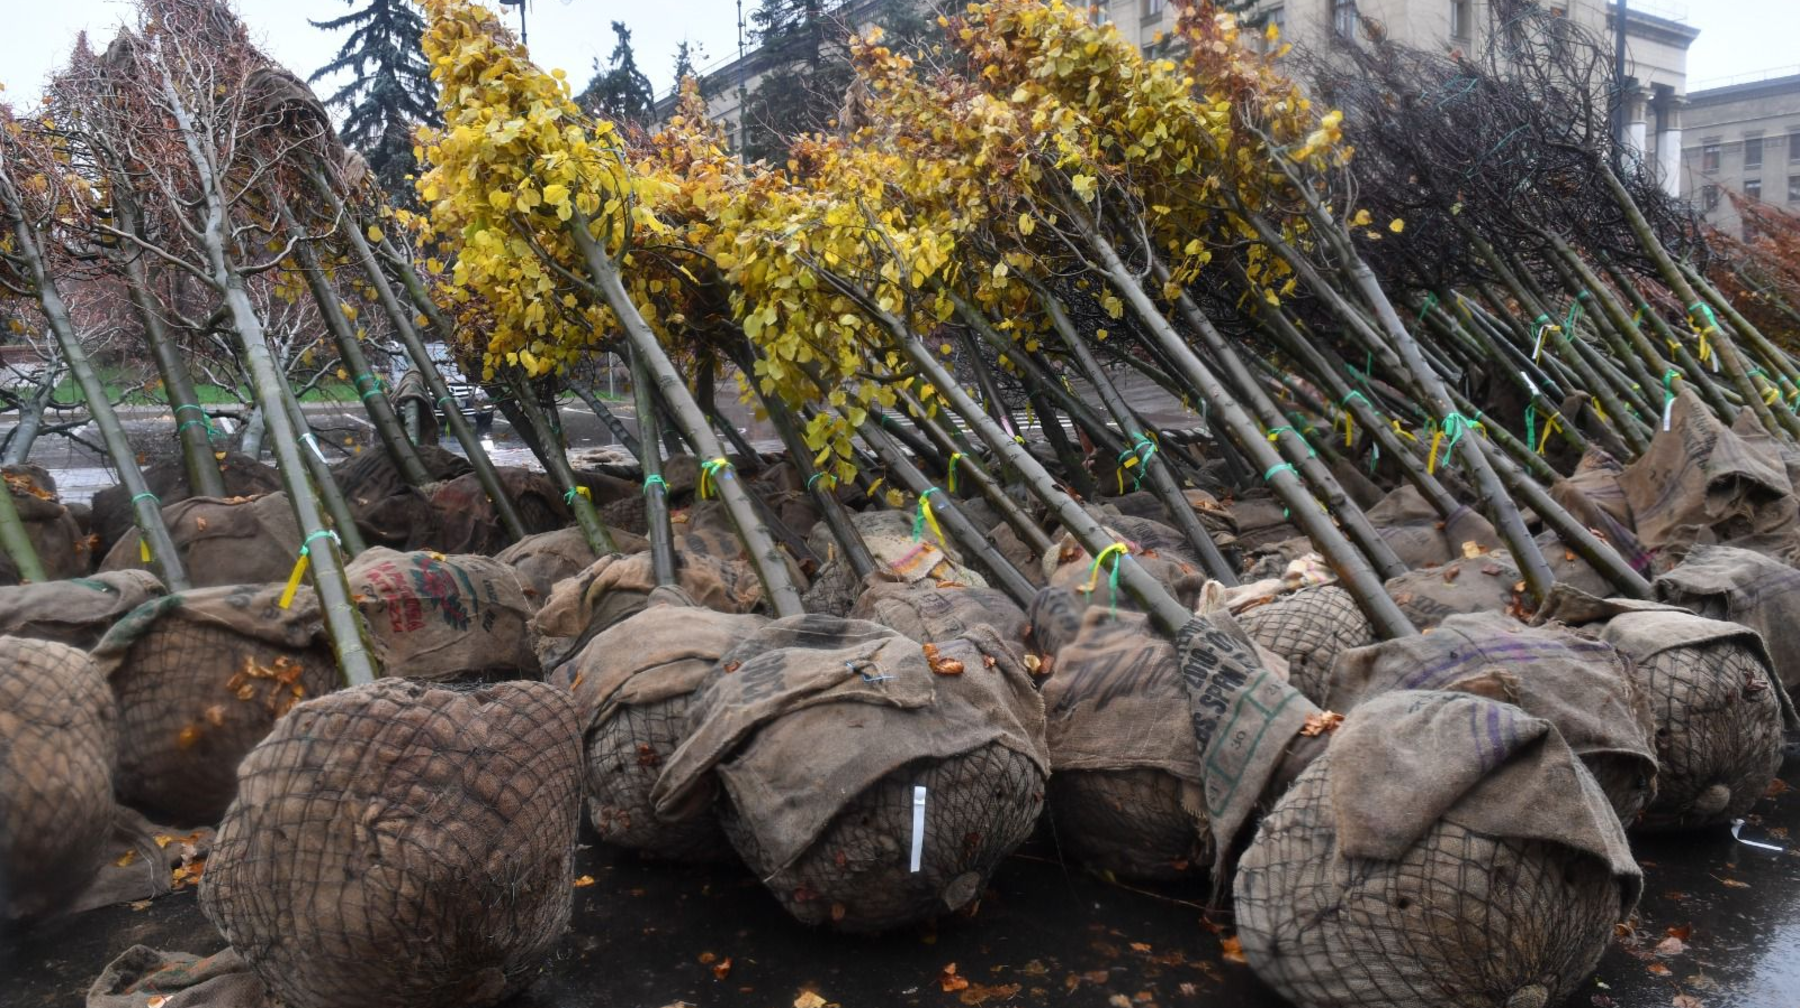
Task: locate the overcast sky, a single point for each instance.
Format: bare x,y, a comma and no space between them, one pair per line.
1736,36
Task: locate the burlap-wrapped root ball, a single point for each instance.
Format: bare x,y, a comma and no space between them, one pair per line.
77,611
1496,885
1309,628
201,676
403,845
870,781
444,618
1717,711
1125,777
1583,686
57,734
632,684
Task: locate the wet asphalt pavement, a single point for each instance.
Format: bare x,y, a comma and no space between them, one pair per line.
646,935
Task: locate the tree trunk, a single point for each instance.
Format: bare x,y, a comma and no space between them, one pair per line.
656,492
193,431
765,556
343,625
381,412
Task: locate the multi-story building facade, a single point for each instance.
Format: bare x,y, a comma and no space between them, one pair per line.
1657,43
1743,138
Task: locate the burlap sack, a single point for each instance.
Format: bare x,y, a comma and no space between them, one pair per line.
437,617
1488,583
615,587
926,613
1584,687
200,677
1595,496
1260,520
142,976
235,541
631,685
62,548
75,612
403,843
58,732
1254,731
1738,586
1125,773
544,558
841,747
889,537
1702,478
467,523
1068,565
387,511
1419,536
1308,628
1446,850
1714,697
167,478
411,393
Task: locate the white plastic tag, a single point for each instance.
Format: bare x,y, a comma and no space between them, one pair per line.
918,826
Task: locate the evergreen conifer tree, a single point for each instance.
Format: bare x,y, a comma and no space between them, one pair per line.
621,92
802,57
390,91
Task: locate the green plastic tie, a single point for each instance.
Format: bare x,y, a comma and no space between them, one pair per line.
138,497
653,480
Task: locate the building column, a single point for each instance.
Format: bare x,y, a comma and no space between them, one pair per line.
1637,111
1668,145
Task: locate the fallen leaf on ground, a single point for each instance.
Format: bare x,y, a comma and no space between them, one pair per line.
1731,883
1686,1001
584,881
949,981
1670,946
809,999
722,969
981,993
1658,968
1682,931
1232,950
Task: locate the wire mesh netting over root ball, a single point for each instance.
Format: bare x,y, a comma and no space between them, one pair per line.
1142,823
624,755
193,699
858,874
1462,920
1718,732
1309,628
57,733
403,843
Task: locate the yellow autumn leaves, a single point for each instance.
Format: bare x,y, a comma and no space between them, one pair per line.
957,192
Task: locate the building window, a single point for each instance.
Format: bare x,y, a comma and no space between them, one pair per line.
1794,188
1753,151
1753,188
1794,148
1343,18
1462,19
1709,157
1153,9
1102,12
1709,199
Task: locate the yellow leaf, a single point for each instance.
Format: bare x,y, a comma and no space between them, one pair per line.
1026,224
1101,334
1397,225
808,999
1362,218
375,234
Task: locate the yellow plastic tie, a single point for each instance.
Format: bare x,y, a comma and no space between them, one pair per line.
299,571
1093,581
709,476
1554,423
925,518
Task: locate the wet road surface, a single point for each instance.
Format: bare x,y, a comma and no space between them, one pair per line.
648,936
